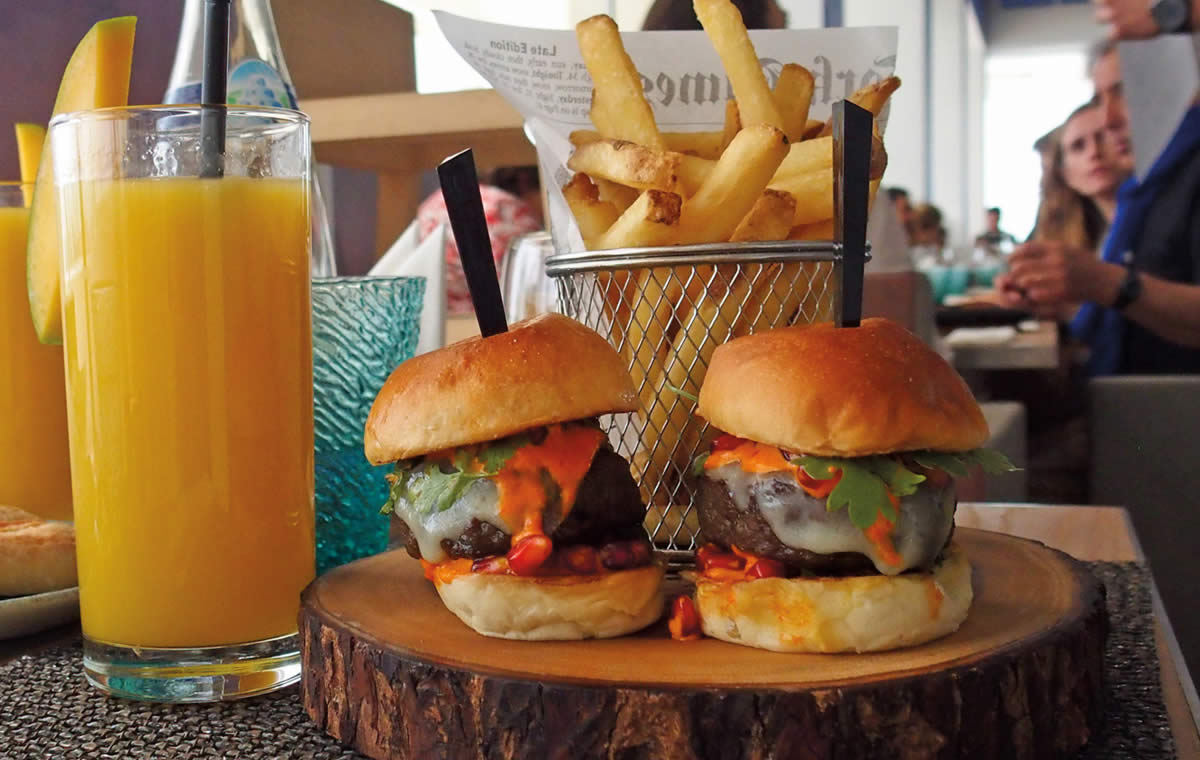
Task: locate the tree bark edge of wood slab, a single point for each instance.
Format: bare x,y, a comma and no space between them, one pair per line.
1041,698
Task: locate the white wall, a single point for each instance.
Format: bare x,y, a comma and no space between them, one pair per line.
906,137
947,115
934,131
975,90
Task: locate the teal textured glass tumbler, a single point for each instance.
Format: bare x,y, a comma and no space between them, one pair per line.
362,328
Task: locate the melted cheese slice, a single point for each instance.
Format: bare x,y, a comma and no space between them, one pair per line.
801,521
515,499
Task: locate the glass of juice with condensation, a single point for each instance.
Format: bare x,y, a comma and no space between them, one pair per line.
188,349
35,472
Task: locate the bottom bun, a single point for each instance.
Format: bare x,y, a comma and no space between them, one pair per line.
869,613
563,608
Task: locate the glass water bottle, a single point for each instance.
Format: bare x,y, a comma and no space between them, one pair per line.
258,76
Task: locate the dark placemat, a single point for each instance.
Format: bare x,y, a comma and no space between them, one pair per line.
48,711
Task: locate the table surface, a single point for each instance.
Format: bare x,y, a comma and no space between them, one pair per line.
1108,536
1031,349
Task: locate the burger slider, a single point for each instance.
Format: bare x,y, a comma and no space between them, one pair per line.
827,502
506,489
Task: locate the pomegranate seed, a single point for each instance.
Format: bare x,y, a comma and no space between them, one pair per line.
529,553
490,565
711,556
616,556
641,551
581,559
685,621
767,568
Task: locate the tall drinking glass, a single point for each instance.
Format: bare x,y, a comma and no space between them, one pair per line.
35,472
188,338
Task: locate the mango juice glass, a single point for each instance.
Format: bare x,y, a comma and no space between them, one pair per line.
188,343
35,472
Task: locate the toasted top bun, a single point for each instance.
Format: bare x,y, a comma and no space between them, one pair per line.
844,392
543,370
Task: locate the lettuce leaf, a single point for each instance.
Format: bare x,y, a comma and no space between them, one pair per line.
426,486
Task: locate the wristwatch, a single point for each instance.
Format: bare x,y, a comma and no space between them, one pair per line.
1171,15
1129,291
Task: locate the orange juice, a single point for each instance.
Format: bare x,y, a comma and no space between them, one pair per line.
34,464
187,329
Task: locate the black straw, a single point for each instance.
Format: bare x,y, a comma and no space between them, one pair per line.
212,87
460,189
851,189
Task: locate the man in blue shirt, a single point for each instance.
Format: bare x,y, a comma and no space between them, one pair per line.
1141,299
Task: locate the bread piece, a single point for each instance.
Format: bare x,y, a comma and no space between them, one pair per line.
541,371
869,613
567,608
842,392
35,555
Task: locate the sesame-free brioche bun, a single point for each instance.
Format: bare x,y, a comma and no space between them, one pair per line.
863,613
840,391
557,608
541,371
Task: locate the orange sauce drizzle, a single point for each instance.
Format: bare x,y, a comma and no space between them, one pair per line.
880,534
760,458
566,455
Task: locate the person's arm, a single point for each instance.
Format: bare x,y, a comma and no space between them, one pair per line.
1048,276
1168,309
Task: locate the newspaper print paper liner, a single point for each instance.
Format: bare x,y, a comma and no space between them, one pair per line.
541,73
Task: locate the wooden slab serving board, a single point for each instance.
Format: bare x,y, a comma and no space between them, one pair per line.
390,671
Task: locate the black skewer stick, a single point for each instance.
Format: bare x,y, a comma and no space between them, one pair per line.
851,180
460,188
212,88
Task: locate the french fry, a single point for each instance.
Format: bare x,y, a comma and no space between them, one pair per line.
593,215
793,96
711,323
872,97
702,144
736,181
822,230
651,220
769,219
813,192
723,23
733,124
620,196
629,164
619,106
813,128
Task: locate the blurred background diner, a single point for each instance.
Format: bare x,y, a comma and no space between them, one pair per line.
1038,221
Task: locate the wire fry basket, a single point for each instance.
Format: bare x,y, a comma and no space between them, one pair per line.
665,310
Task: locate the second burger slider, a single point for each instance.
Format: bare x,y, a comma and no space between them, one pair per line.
526,521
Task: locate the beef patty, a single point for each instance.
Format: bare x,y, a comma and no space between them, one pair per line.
724,522
608,507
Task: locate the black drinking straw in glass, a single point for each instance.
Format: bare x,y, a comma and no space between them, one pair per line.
212,87
464,206
852,128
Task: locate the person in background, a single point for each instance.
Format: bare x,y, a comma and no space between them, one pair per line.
1079,183
901,205
993,235
512,203
1139,19
1141,299
1078,191
925,227
678,15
